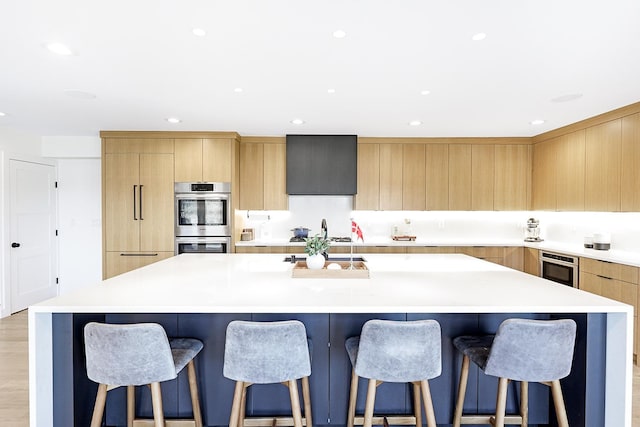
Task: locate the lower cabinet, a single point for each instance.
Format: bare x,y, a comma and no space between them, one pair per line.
532,261
618,282
121,262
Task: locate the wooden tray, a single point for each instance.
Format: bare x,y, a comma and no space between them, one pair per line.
360,271
404,238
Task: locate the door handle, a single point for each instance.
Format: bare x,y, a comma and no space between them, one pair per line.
141,219
15,245
134,203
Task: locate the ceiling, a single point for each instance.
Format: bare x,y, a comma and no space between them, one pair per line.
136,63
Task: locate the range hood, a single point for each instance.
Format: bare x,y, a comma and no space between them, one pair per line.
322,164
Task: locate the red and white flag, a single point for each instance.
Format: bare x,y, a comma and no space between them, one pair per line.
355,228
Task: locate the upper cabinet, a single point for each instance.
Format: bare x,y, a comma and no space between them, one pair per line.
263,175
630,170
204,159
512,186
413,177
543,175
391,175
437,176
368,196
460,177
603,145
483,164
570,171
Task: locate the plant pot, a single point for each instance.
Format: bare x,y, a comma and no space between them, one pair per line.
315,262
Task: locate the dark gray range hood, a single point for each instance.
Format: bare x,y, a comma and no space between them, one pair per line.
322,164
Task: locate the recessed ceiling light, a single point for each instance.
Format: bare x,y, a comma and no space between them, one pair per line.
173,120
425,92
331,91
297,121
567,98
479,36
415,123
2,114
199,32
536,122
238,90
59,48
339,34
78,94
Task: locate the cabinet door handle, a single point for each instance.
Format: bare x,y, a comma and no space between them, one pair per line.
134,203
138,254
141,219
604,277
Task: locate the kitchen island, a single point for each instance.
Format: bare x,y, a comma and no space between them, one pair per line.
197,295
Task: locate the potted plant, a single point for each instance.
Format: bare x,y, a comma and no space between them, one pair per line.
316,247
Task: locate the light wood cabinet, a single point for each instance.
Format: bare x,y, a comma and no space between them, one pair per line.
437,177
204,159
391,175
570,171
532,261
137,177
459,177
513,257
630,169
482,177
431,249
121,262
413,177
602,164
138,202
263,176
543,175
368,197
512,187
615,281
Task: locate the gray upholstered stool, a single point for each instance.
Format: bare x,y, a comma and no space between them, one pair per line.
138,354
522,350
399,352
267,353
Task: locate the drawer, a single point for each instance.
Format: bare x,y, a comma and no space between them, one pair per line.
610,288
431,249
612,270
380,249
482,251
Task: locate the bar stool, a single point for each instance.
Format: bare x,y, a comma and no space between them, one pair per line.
138,354
522,350
399,352
268,353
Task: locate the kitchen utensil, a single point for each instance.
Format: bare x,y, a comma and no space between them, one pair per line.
301,232
532,232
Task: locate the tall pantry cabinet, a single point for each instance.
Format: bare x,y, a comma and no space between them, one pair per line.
138,177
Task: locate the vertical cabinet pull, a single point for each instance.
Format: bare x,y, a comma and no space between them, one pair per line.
141,202
134,202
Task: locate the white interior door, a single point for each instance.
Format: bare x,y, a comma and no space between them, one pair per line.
32,233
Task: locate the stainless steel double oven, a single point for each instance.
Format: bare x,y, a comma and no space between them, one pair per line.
203,217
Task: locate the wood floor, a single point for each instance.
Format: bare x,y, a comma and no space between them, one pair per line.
14,374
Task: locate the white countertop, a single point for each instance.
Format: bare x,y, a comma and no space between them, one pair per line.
613,255
262,283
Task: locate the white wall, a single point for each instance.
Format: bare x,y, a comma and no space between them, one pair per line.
79,207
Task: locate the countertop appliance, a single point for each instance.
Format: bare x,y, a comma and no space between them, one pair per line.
203,210
559,268
532,232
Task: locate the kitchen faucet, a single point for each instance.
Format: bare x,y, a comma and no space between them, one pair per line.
323,229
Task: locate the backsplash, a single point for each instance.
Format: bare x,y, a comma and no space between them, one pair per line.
438,226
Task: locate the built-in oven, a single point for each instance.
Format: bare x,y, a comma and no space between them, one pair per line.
203,245
202,209
559,268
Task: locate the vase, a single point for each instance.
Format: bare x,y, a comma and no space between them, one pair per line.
315,262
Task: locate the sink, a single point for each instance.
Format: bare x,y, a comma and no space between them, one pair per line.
331,258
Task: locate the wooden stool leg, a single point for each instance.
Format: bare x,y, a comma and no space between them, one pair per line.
462,390
131,405
98,408
428,403
295,403
243,405
193,389
558,402
370,403
524,403
235,406
501,401
353,396
156,401
306,396
417,408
